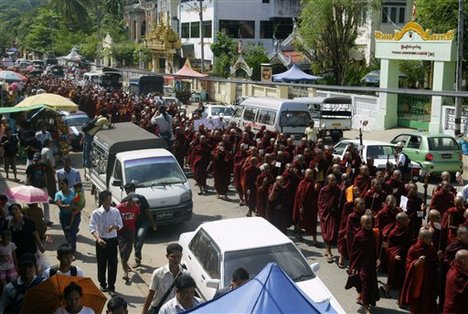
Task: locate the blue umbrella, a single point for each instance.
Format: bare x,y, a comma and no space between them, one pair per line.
11,76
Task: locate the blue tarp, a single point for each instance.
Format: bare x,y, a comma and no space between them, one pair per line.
294,74
271,291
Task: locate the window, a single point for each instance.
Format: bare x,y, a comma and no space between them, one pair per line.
294,119
265,1
238,112
250,113
237,29
394,12
185,32
266,29
195,30
340,148
380,151
207,29
414,142
266,117
442,143
400,138
118,171
206,253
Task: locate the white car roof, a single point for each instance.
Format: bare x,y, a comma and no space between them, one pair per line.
366,142
145,153
244,233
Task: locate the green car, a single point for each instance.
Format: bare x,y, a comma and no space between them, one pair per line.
436,152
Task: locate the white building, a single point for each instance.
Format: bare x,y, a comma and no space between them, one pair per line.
246,20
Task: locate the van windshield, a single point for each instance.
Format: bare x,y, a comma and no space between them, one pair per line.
294,118
154,171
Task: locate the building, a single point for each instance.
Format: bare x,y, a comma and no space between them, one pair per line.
139,18
259,21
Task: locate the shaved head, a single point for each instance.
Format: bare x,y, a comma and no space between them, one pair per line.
425,234
434,215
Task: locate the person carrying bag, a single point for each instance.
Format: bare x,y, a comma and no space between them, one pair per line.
155,309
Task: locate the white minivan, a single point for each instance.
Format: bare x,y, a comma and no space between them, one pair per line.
278,115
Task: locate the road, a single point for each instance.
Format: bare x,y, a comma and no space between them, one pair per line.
206,208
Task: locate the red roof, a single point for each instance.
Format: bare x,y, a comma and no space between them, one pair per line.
187,71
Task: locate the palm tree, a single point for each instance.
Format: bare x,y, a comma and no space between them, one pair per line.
73,11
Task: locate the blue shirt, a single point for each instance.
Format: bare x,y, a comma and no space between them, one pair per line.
65,199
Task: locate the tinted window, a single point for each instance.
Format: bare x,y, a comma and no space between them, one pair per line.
442,143
154,171
266,117
380,151
414,142
206,253
340,148
215,111
295,118
75,120
118,170
400,138
250,113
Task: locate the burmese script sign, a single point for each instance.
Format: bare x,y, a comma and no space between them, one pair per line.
412,42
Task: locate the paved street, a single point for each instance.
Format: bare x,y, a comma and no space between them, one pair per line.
206,208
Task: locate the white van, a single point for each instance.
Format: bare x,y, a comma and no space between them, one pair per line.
278,115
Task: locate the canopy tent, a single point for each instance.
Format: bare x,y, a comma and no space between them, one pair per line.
271,291
4,110
72,56
294,74
53,101
187,71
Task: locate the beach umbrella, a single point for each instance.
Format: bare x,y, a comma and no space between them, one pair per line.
53,101
28,194
11,76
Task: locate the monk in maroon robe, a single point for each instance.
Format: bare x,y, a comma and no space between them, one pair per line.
435,226
395,185
420,285
363,259
375,196
305,205
416,210
328,206
444,176
348,208
291,182
456,289
238,161
363,180
263,183
387,214
201,159
353,223
222,178
251,172
442,200
276,205
397,246
453,218
179,146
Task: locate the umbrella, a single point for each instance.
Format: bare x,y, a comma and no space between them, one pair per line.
11,76
27,194
53,101
47,296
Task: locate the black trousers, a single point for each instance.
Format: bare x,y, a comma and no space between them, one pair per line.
107,260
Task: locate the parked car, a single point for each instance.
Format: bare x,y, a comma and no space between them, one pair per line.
381,152
216,111
436,152
75,121
215,249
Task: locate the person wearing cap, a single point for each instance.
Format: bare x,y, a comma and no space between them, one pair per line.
129,211
104,223
15,291
68,172
36,175
401,160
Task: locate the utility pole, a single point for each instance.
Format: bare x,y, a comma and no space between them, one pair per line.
459,78
202,46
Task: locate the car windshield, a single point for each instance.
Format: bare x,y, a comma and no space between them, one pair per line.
294,118
442,143
380,151
76,121
286,256
154,171
226,111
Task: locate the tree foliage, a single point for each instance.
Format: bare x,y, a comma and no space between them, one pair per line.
255,55
330,28
224,49
73,11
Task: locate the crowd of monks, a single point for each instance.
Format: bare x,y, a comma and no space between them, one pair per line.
422,249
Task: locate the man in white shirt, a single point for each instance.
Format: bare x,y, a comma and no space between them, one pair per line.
65,256
164,122
43,135
67,172
312,132
185,296
104,223
163,278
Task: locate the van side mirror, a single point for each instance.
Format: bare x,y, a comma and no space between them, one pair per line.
116,182
315,267
212,283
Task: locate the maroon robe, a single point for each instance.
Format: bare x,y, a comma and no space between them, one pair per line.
328,207
239,159
363,258
262,193
374,200
306,198
420,286
456,290
342,245
353,225
442,201
180,148
363,183
291,182
397,188
201,158
412,208
457,218
276,208
222,178
398,244
250,178
386,216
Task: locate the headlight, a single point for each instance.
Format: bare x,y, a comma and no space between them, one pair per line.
186,196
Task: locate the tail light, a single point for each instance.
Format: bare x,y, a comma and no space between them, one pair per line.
429,157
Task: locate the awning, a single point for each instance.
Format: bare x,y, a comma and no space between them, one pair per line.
187,71
4,110
294,74
53,101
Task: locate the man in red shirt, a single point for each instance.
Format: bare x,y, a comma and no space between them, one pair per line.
129,211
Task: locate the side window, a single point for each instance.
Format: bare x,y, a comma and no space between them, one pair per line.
211,264
118,170
206,253
340,148
401,138
414,142
250,113
238,112
266,117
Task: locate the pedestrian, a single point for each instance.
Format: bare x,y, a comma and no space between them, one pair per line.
36,175
64,200
31,146
162,283
164,122
239,277
65,255
143,221
43,135
129,211
9,143
184,299
456,292
104,223
68,172
201,159
8,261
312,133
305,206
117,305
49,159
221,162
72,294
277,205
102,121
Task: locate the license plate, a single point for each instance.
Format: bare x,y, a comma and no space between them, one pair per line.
446,156
336,124
164,215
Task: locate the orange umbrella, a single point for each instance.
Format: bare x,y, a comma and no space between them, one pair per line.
47,296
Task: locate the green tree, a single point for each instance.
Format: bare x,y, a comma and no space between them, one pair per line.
255,55
73,11
330,28
413,73
224,49
124,52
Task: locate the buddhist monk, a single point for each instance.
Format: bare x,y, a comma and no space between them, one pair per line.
263,183
416,210
420,285
442,200
276,205
397,246
363,180
444,176
435,226
238,161
251,173
363,259
222,177
201,159
387,214
395,185
348,208
291,181
328,207
456,289
305,206
375,196
353,223
453,218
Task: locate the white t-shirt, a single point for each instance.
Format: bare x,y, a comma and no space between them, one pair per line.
79,272
6,256
174,307
161,281
84,310
48,156
311,133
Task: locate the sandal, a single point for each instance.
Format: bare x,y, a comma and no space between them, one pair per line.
330,260
341,265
